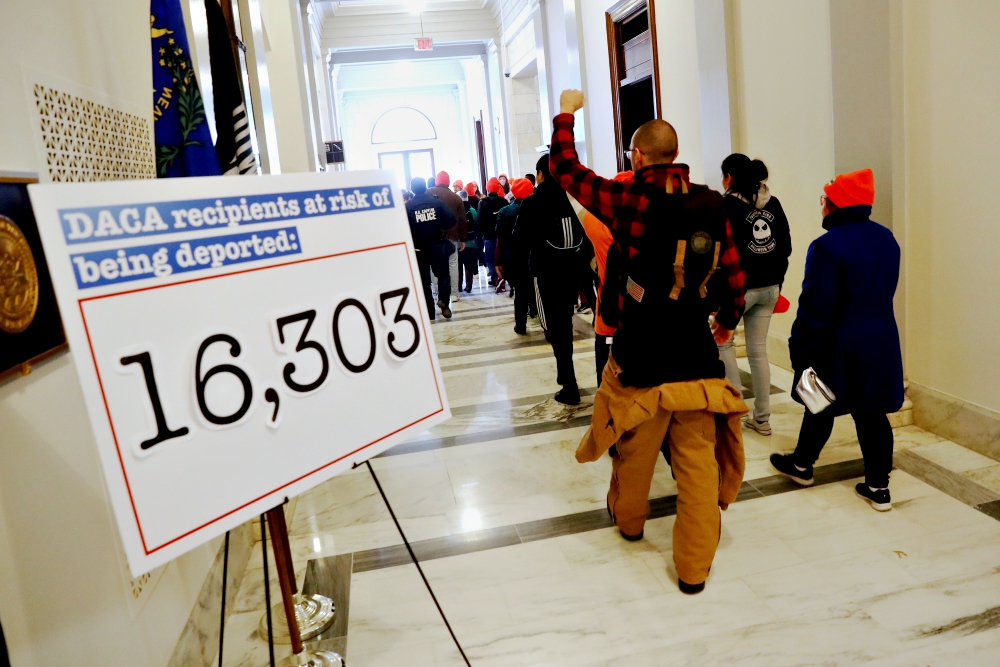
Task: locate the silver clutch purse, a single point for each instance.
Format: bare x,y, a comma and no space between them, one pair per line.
813,392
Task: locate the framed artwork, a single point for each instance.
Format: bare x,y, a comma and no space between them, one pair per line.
30,327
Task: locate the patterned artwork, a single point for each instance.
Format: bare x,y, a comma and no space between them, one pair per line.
88,141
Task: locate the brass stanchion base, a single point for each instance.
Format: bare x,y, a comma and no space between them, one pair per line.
310,659
315,613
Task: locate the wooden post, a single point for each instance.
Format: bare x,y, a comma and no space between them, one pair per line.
282,527
286,577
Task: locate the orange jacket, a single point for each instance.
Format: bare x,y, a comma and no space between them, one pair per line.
600,235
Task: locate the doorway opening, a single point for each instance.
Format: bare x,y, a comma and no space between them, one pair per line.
635,76
407,164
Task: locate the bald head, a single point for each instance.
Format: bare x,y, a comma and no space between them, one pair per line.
657,140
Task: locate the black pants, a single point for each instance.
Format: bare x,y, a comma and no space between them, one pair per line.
427,262
874,434
602,348
468,260
524,295
556,303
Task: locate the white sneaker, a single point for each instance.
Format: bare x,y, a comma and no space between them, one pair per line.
764,427
454,298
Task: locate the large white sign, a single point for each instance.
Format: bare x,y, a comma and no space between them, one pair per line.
238,340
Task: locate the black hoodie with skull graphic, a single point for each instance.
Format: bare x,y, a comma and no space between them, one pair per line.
760,230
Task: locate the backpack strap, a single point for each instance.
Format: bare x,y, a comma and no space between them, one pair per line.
670,186
703,288
678,269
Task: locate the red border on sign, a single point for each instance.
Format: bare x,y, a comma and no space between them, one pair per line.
420,305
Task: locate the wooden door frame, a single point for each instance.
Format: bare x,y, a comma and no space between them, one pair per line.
614,15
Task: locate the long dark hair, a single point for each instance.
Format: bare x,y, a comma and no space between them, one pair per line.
747,175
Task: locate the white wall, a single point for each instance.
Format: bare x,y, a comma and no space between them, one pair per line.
597,86
951,60
286,72
62,591
94,43
346,30
527,135
61,551
676,37
785,101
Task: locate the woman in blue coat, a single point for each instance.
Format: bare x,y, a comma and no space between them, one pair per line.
846,331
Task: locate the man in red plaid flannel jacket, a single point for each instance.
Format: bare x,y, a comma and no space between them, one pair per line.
706,452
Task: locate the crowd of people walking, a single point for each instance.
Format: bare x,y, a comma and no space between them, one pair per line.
677,266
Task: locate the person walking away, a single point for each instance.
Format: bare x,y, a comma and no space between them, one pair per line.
488,209
556,241
458,187
531,179
475,196
472,189
762,237
457,234
429,221
664,377
512,254
468,257
845,330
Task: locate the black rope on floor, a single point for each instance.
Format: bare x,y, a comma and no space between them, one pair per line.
267,588
415,562
222,619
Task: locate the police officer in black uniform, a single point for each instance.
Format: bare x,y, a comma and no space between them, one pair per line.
429,218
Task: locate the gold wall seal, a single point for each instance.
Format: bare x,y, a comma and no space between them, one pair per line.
18,279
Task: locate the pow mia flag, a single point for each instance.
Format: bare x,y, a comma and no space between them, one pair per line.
232,146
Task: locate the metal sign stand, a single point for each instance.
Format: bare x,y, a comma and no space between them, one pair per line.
307,616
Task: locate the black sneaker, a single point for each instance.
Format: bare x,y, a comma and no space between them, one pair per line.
784,464
631,538
445,309
690,589
520,331
880,499
569,395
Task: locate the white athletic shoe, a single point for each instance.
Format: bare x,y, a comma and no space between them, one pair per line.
764,428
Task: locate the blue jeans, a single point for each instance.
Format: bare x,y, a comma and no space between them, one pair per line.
489,248
756,320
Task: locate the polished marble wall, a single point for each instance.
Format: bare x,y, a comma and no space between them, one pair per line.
970,425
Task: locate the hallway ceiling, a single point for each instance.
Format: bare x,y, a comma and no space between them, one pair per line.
363,7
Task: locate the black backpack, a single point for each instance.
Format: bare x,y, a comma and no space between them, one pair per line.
667,288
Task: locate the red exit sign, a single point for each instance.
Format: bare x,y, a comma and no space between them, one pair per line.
423,44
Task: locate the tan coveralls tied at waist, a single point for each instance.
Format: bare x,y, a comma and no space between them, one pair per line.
701,421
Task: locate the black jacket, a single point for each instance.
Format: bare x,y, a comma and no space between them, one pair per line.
762,237
555,235
510,253
488,215
429,219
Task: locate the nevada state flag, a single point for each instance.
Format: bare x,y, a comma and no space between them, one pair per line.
183,139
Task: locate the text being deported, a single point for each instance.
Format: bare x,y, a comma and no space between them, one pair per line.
127,263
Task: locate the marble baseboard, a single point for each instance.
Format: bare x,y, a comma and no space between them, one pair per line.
952,483
964,423
199,641
777,350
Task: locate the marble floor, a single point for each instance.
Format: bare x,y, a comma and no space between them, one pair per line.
519,564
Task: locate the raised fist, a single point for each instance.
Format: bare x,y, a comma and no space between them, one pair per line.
571,101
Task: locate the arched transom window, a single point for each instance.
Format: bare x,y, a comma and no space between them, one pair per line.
402,124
